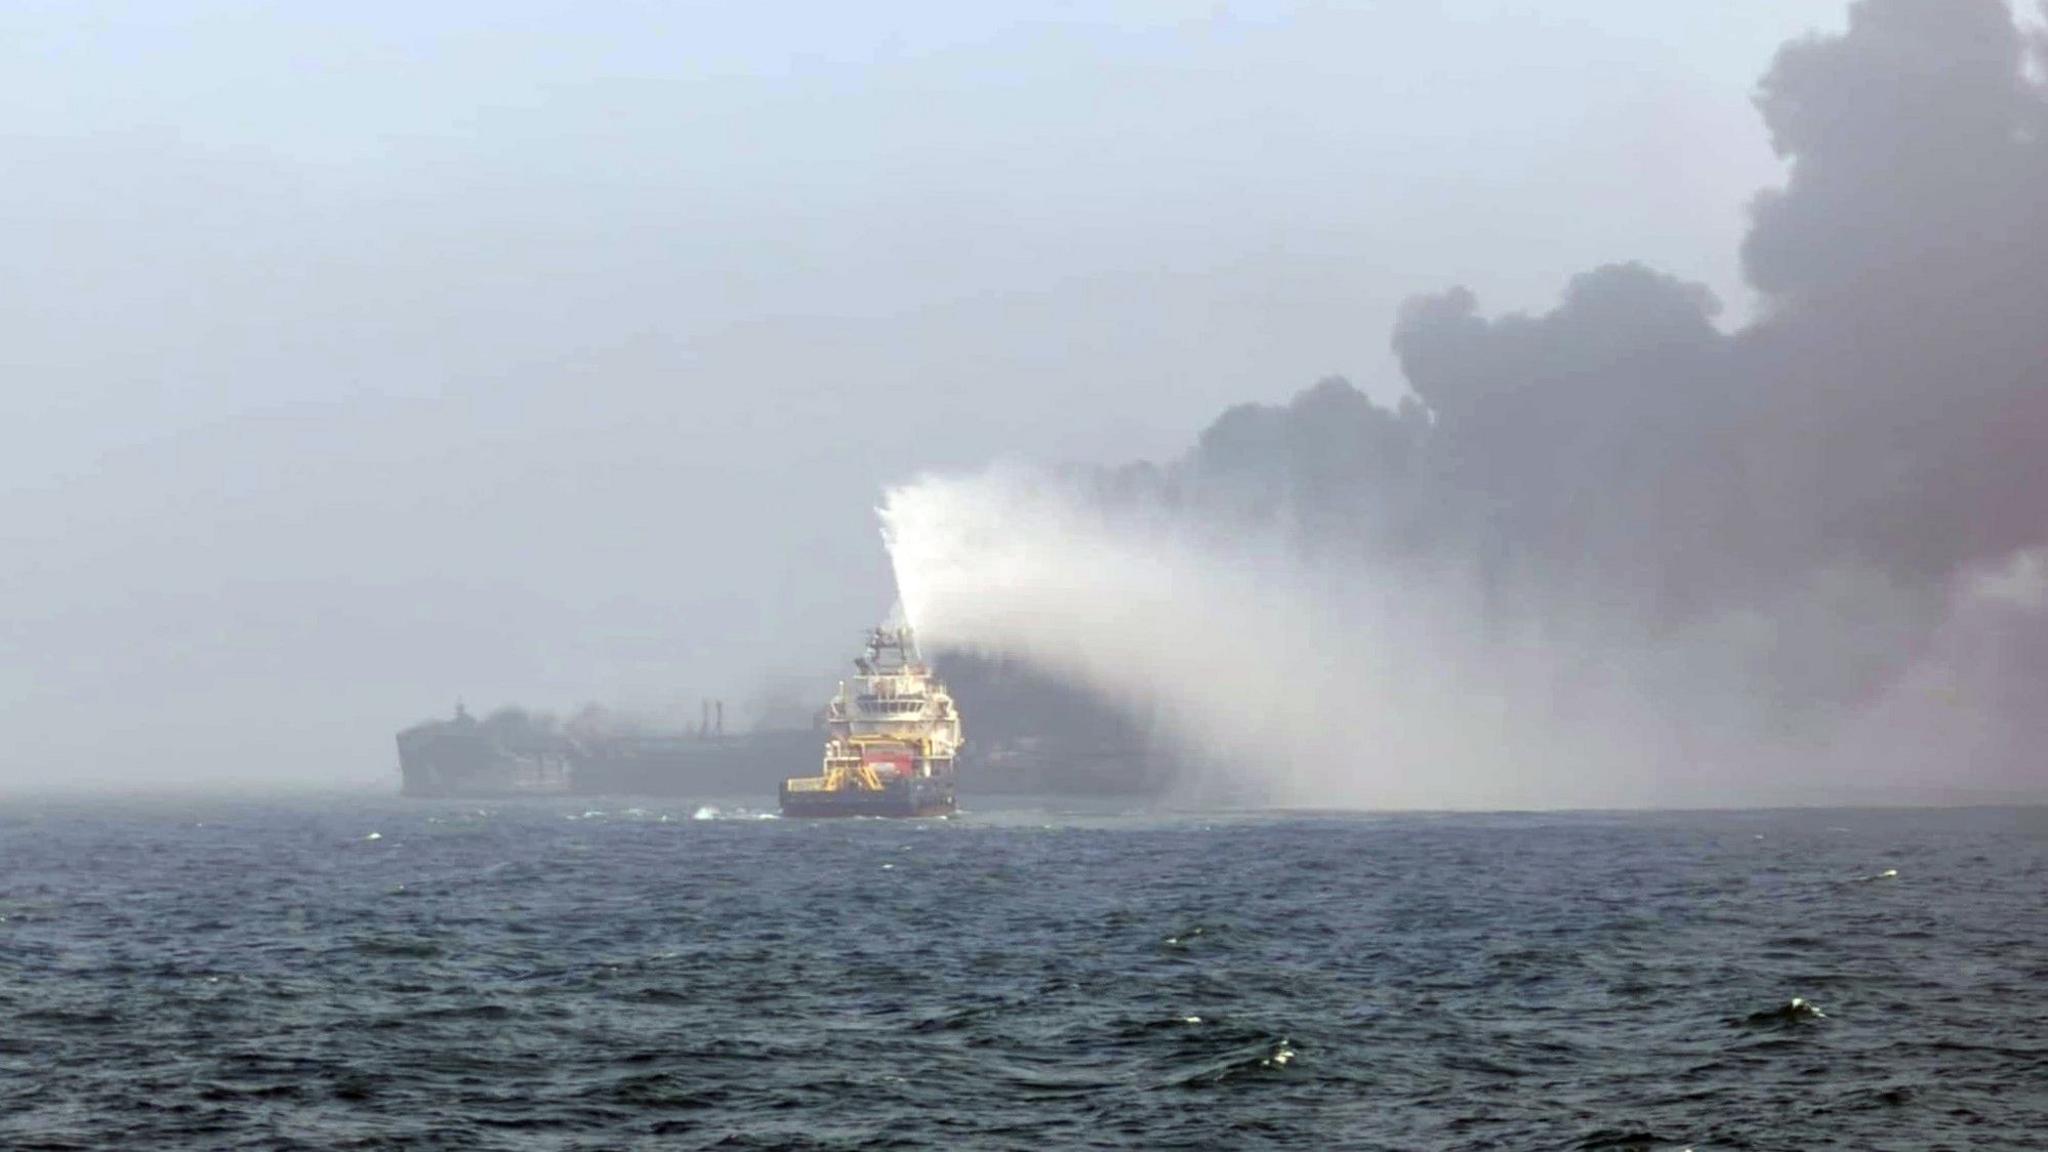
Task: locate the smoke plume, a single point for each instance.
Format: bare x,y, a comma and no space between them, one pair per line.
1613,553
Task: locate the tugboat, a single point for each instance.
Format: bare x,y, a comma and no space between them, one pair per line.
892,735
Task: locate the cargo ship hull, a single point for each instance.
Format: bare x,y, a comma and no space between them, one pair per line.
685,765
515,753
502,756
899,798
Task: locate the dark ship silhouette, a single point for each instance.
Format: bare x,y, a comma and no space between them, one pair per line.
1033,734
514,752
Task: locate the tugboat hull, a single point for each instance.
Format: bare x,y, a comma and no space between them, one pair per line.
923,796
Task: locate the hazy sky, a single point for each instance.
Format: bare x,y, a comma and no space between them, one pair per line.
359,357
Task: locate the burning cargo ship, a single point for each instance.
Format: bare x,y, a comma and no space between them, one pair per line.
892,736
505,754
513,752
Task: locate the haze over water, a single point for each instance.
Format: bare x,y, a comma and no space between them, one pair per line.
1496,453
363,362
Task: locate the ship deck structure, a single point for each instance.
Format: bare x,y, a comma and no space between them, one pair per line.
893,736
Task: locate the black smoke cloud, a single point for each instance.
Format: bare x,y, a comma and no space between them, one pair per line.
1847,472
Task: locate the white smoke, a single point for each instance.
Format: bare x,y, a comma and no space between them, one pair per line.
1307,685
1295,683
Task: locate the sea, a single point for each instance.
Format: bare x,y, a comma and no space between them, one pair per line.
335,972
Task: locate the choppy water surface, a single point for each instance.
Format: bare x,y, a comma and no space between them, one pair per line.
214,974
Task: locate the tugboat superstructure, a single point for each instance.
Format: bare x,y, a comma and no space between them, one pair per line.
893,733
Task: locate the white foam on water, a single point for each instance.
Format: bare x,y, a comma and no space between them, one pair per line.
714,812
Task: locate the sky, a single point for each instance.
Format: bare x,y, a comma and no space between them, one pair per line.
356,360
